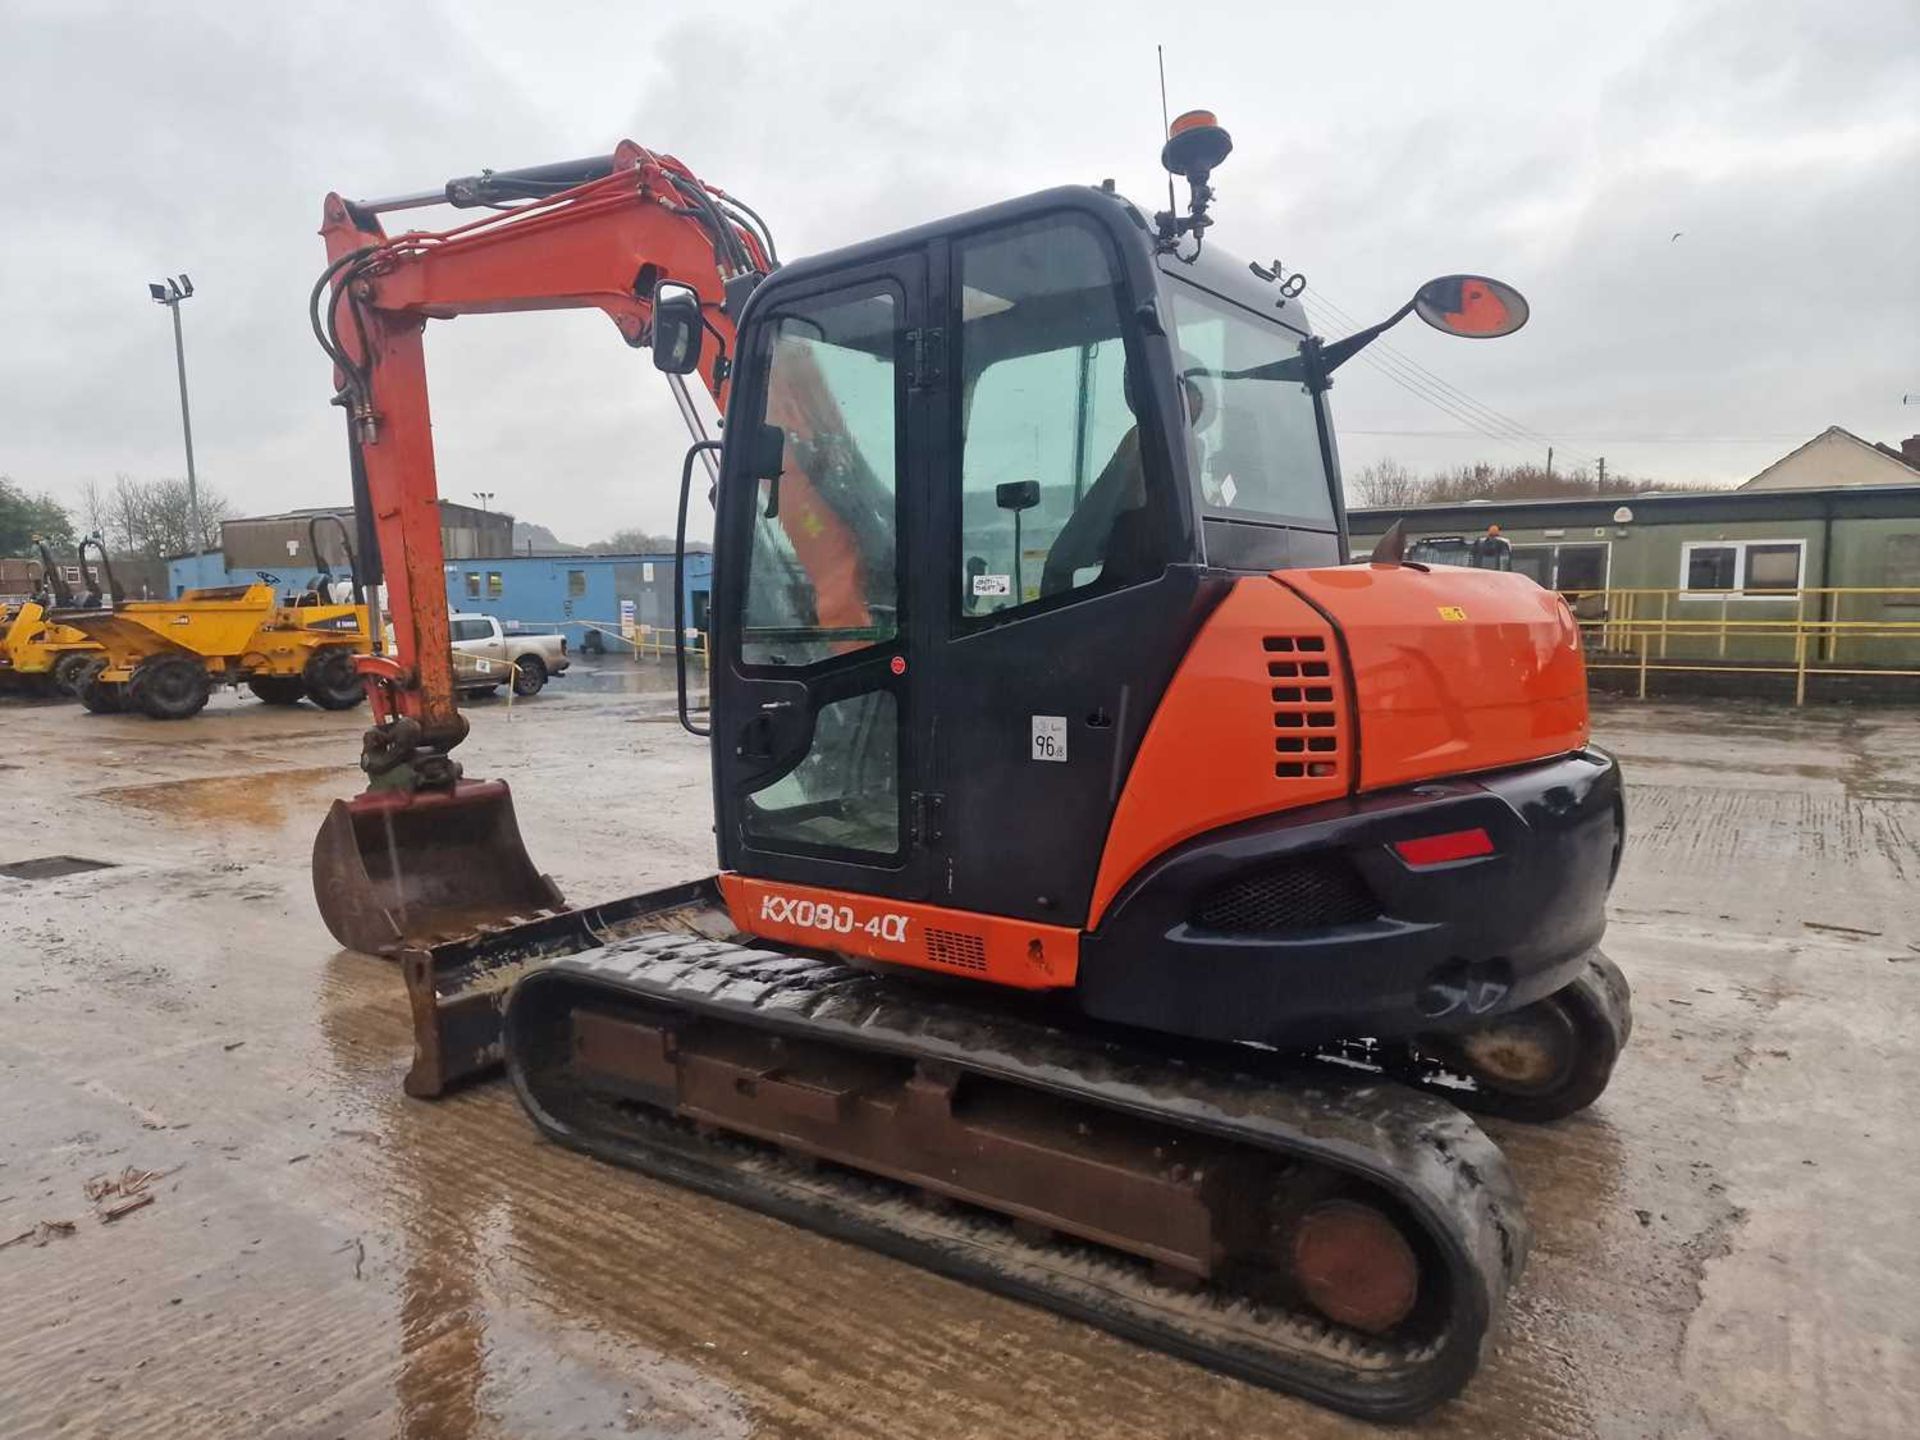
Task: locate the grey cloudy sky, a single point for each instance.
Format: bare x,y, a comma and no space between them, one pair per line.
1377,143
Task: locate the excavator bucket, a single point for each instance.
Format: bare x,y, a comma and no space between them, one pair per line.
394,869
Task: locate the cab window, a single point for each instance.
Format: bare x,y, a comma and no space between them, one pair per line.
1056,495
821,572
1255,434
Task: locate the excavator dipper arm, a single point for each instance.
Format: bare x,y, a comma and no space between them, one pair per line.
423,853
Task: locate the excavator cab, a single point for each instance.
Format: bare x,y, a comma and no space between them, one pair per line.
1019,457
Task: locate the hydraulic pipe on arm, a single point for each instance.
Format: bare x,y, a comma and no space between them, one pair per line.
603,245
424,852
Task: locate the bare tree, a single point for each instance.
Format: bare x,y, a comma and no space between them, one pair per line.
94,508
1387,483
153,517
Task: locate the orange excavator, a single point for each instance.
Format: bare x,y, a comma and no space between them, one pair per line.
1123,895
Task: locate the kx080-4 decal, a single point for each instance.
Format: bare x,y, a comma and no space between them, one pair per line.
831,919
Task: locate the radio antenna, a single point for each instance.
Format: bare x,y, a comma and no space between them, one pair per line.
1166,125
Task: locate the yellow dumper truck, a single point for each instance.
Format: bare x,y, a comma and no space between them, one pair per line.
162,658
35,653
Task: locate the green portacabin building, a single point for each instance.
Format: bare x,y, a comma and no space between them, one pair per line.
1820,553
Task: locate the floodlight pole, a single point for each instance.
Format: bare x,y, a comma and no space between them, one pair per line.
171,298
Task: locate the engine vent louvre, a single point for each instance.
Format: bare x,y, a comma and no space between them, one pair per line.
1293,895
1309,738
956,949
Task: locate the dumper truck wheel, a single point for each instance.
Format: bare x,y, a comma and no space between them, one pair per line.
529,675
278,689
101,697
68,669
169,687
331,681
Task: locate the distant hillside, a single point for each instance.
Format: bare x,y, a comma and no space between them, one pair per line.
622,542
539,539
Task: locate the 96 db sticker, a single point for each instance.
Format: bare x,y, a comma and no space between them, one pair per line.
830,918
1050,737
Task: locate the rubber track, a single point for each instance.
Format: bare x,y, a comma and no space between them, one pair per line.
1433,1160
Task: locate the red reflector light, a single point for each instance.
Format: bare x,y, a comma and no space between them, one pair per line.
1439,849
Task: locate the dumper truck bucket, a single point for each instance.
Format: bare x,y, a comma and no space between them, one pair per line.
393,869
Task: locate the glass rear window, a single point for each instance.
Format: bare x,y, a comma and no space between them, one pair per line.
1255,438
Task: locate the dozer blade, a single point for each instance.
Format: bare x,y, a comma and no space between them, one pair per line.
393,869
457,989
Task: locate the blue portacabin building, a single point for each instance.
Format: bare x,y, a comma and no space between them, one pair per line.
594,600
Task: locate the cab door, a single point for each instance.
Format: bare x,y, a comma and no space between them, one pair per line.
813,696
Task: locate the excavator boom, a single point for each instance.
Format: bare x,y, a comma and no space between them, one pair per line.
425,854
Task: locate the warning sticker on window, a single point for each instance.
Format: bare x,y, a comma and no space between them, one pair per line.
1229,491
1050,737
993,584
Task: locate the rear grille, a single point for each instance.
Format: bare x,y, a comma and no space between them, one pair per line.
1308,742
1295,895
956,950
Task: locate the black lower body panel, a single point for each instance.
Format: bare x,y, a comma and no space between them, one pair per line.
1309,926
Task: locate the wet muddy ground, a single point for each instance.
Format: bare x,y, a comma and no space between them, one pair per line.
1726,1245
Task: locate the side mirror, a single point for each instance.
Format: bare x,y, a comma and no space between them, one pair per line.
1472,306
1468,305
677,328
1017,495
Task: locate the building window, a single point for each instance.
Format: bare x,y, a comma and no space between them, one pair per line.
496,585
1773,567
473,584
576,583
1903,568
1741,569
1571,569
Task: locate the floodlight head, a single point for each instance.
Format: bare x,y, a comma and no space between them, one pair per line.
186,287
158,292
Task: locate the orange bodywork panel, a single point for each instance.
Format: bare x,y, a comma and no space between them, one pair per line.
1306,685
1017,953
1256,720
1454,670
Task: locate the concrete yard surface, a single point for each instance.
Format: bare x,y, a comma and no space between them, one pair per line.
1727,1245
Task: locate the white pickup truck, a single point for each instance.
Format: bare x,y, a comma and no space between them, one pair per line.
485,657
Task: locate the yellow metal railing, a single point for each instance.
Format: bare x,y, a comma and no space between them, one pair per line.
1653,631
656,642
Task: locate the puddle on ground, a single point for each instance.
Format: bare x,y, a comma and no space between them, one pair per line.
265,799
643,679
